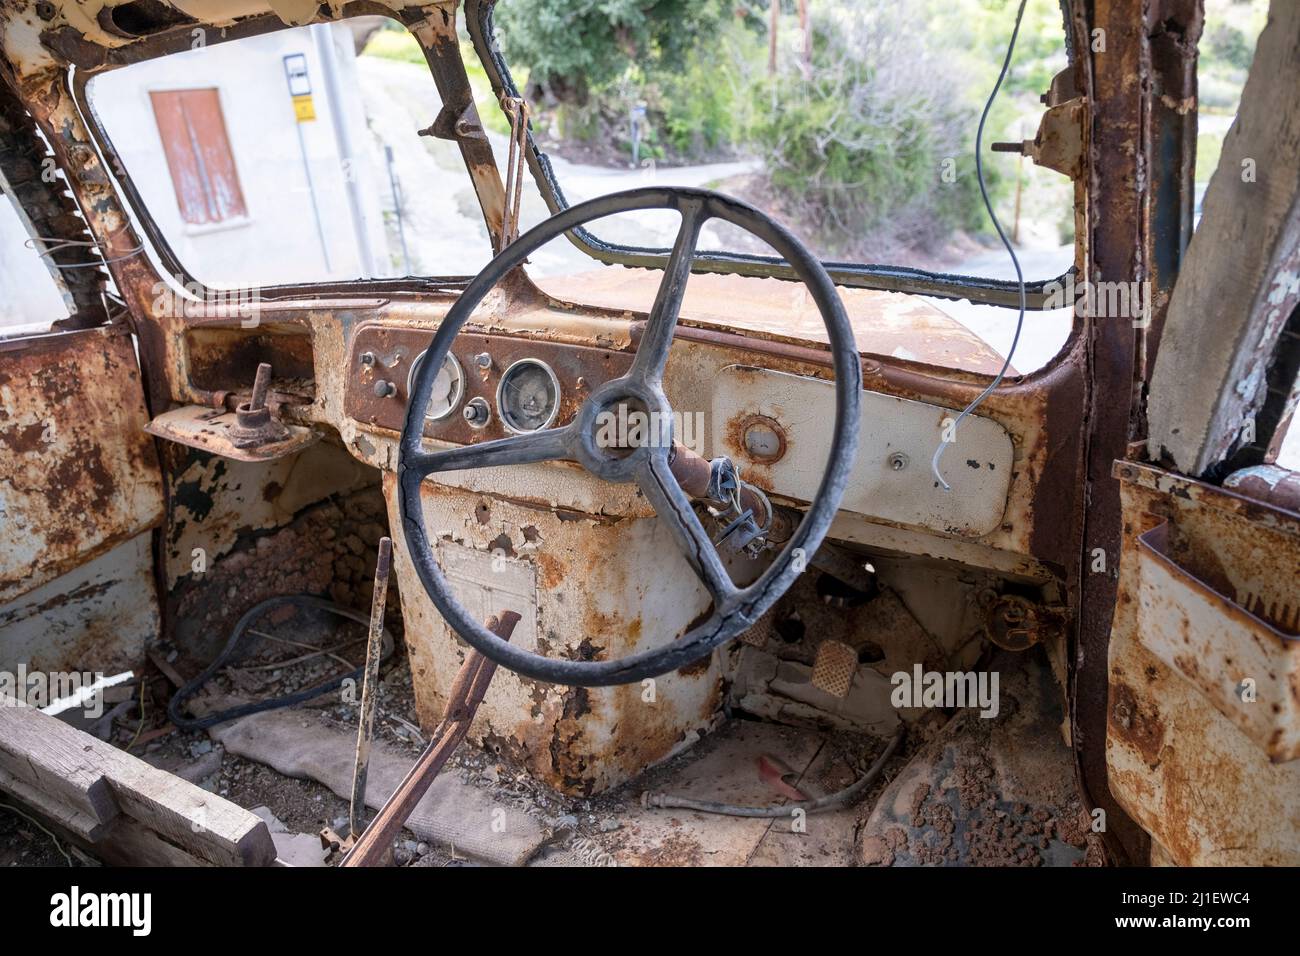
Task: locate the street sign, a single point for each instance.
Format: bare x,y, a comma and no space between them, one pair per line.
295,72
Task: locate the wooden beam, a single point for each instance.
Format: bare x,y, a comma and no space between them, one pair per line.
1240,280
94,790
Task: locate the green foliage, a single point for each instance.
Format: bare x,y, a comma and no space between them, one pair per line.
577,46
697,106
1229,44
394,43
872,149
870,145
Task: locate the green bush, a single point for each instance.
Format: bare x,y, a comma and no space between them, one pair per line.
576,47
872,151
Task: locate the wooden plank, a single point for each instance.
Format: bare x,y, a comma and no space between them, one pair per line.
96,780
128,842
51,758
1240,279
72,821
203,824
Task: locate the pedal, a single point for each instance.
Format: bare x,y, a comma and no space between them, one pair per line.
834,667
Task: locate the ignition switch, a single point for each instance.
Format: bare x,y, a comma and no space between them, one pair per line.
477,413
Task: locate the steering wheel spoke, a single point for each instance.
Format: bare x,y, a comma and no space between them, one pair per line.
652,352
550,444
674,508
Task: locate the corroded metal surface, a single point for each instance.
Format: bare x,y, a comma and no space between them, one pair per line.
78,474
209,430
1198,781
191,361
1118,240
890,479
98,617
215,501
575,739
1270,484
987,792
884,323
1236,657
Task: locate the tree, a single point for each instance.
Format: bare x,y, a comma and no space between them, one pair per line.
573,47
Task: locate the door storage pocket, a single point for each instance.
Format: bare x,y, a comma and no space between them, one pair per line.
1247,667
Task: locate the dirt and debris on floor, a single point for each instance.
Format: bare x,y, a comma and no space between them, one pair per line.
988,792
960,791
330,549
26,841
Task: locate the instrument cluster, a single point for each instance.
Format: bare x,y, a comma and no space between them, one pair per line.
488,386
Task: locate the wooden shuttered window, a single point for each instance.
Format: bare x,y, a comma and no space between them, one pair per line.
198,155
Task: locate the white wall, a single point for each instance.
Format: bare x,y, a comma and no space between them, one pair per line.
278,242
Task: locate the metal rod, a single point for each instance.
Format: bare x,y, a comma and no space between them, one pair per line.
369,690
261,383
396,189
311,192
466,693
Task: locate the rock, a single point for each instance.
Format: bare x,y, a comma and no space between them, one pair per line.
876,852
270,819
202,771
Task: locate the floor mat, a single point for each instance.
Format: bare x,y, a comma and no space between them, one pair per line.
452,813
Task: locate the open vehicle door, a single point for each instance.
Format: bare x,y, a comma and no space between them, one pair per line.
1203,742
80,488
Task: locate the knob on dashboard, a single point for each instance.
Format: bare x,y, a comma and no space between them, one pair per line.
477,412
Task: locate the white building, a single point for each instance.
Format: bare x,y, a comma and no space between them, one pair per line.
250,185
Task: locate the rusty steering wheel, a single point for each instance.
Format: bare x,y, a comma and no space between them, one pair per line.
734,608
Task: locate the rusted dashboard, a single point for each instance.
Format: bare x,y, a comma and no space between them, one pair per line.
492,371
495,385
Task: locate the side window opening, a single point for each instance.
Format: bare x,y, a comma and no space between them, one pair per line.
294,157
30,298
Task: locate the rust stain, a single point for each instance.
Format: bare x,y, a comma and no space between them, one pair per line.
1136,723
78,473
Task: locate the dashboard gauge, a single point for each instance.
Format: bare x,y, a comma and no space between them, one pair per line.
528,397
448,387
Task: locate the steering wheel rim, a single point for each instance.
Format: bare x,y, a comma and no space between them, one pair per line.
734,609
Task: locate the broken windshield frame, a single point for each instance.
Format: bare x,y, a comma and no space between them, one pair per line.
1038,293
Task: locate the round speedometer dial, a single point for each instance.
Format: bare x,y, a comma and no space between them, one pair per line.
448,387
528,397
